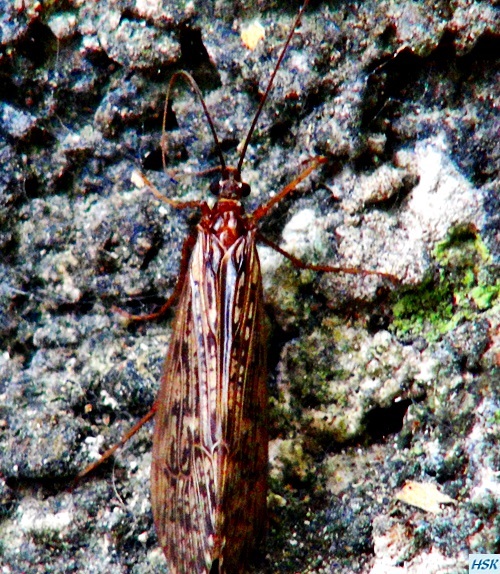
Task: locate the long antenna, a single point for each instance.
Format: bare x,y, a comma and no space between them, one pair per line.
189,78
269,86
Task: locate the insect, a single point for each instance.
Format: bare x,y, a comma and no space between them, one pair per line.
210,443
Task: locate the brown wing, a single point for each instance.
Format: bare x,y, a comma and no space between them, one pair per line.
243,472
210,442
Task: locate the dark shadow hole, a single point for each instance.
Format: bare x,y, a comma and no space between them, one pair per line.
44,487
32,186
226,145
153,160
38,44
487,48
381,422
193,51
154,118
195,58
281,132
81,307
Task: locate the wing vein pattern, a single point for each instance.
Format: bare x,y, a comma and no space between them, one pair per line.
210,441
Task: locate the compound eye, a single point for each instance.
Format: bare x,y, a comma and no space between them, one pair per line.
215,186
244,189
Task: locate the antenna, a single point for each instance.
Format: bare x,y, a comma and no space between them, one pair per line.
269,86
189,78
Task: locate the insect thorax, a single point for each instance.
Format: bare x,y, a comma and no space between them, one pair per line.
227,221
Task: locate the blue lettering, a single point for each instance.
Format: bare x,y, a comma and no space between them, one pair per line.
481,564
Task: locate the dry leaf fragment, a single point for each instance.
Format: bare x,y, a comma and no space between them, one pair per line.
424,495
252,35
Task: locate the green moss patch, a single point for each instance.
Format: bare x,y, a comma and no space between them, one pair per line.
464,286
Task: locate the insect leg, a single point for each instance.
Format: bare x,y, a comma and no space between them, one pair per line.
296,262
128,435
186,252
264,209
140,180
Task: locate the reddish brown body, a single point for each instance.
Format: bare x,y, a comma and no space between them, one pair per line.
209,468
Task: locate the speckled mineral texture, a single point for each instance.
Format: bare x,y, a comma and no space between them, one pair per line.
384,398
